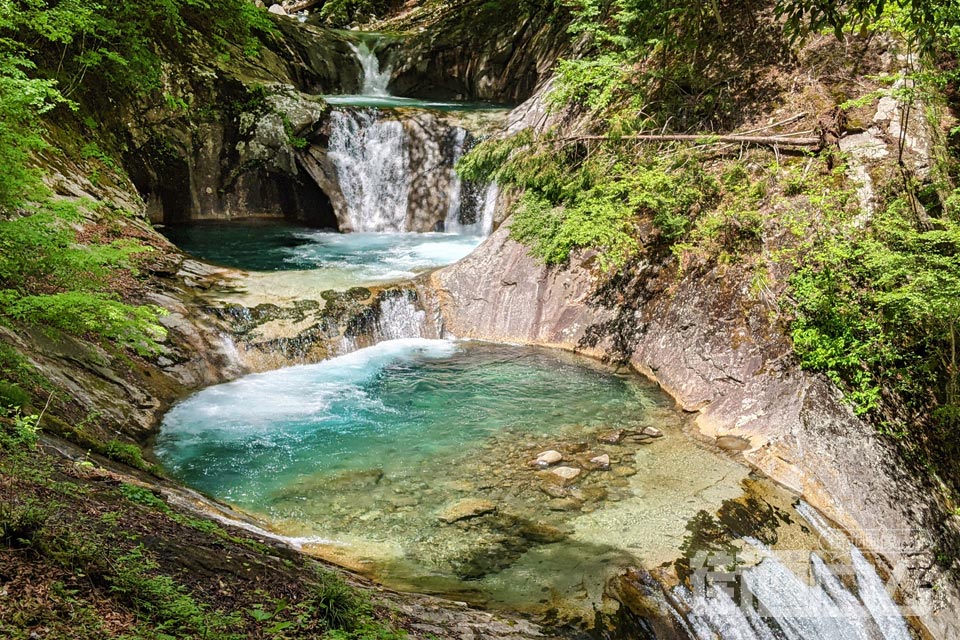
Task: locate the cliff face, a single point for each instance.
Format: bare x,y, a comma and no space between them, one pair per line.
497,52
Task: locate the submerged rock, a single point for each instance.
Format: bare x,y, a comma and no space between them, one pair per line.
653,432
733,443
564,504
601,461
566,473
547,458
465,509
553,490
611,437
541,532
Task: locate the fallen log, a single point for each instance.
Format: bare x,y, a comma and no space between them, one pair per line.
771,141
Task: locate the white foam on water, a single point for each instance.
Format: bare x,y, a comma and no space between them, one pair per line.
303,393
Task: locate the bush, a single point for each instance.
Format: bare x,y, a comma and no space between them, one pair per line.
337,604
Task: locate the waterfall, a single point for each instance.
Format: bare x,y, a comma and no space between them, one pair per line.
400,318
372,162
774,603
375,79
396,174
471,207
452,221
489,209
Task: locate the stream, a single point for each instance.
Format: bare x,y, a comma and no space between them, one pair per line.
507,476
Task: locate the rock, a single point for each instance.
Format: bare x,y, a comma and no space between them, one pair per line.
547,458
611,437
566,474
733,443
594,493
541,532
553,490
564,504
624,472
601,461
277,9
465,509
653,432
578,447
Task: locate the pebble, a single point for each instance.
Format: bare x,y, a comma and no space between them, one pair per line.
653,432
624,472
601,461
547,458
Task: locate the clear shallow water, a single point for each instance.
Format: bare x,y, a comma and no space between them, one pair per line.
367,452
357,258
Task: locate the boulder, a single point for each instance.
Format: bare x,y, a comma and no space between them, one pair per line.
277,9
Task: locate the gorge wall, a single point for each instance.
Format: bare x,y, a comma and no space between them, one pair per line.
718,349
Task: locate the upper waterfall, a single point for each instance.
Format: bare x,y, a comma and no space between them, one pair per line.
395,172
375,79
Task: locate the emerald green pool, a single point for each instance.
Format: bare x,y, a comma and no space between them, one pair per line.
363,457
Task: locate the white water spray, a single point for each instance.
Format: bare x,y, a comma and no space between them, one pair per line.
375,79
775,603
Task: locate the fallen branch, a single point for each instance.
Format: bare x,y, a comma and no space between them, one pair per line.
771,141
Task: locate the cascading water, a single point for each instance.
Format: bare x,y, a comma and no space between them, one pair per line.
372,160
771,602
395,170
400,318
375,79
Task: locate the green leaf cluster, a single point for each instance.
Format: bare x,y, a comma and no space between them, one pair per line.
115,47
48,278
880,307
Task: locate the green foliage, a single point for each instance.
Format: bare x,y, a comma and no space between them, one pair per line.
932,25
882,308
340,13
22,101
129,454
116,47
22,522
96,314
48,279
142,495
11,395
18,432
337,604
159,599
574,199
